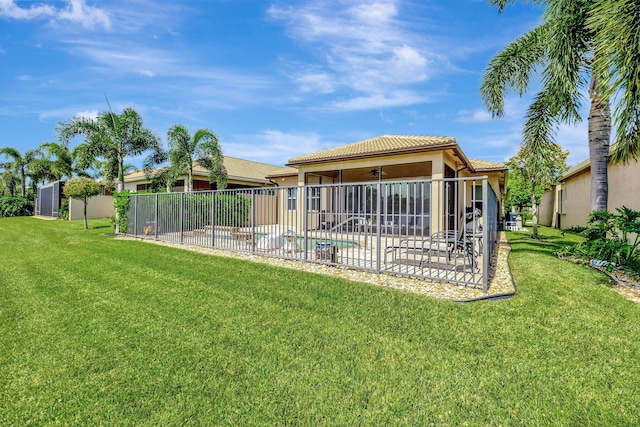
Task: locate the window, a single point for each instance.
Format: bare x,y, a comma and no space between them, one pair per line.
292,199
477,196
314,199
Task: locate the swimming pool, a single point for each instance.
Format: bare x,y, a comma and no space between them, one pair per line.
313,241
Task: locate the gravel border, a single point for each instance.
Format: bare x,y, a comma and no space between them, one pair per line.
501,282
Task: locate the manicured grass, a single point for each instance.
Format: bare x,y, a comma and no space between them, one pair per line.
99,331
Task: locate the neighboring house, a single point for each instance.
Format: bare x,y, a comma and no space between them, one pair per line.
568,204
50,198
242,174
393,158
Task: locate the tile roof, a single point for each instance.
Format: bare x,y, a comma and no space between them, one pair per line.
282,172
238,169
482,165
377,145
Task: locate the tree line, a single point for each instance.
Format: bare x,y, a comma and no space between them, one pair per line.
109,140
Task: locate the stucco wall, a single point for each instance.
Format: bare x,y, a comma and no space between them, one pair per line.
97,207
574,194
546,208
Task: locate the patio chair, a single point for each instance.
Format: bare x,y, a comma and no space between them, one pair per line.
449,244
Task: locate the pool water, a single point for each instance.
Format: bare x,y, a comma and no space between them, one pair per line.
313,241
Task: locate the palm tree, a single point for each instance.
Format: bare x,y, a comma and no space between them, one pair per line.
8,182
60,160
574,52
112,137
19,164
202,149
538,167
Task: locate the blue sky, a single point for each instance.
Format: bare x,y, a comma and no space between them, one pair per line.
274,79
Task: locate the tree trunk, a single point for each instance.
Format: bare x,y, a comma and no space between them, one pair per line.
534,213
86,226
599,134
23,184
120,189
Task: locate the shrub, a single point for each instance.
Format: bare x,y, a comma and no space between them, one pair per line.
613,238
121,204
15,206
575,229
63,213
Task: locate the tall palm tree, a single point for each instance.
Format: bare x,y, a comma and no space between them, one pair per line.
112,137
19,163
202,149
574,54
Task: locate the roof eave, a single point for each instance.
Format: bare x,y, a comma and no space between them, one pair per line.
375,154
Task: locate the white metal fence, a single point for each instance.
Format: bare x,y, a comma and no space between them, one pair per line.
442,230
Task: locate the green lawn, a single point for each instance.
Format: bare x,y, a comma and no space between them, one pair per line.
99,331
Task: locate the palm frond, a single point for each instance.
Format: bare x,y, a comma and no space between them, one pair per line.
616,24
512,68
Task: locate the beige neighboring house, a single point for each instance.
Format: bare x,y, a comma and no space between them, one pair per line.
568,204
393,158
241,174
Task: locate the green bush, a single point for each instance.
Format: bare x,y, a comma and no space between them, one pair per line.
15,206
612,238
121,204
63,213
575,229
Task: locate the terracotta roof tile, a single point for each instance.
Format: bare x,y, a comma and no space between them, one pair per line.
238,169
380,144
485,165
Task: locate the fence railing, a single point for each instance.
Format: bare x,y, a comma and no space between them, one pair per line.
443,230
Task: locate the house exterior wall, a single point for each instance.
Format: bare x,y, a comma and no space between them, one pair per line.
572,201
547,207
97,207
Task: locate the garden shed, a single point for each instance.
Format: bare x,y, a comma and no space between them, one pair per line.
49,199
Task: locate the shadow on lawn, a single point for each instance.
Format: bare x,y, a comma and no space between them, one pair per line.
548,244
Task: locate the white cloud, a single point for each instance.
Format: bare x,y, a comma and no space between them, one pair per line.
475,116
88,16
274,146
93,114
76,11
10,9
576,140
315,82
395,99
363,47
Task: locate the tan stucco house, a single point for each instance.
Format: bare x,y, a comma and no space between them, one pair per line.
241,174
382,159
394,158
568,204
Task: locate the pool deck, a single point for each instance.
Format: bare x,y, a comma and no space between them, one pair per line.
380,254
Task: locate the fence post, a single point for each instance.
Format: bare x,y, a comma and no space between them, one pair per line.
155,231
305,221
253,218
213,218
135,213
182,217
485,236
378,226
